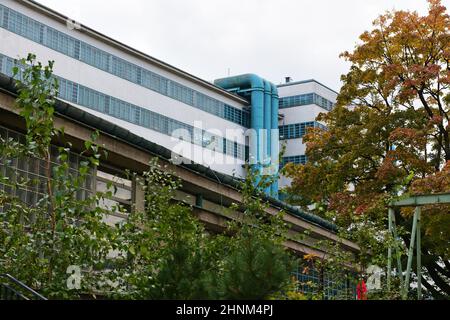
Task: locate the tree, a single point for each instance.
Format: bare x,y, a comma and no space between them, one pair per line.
388,130
257,265
40,239
165,252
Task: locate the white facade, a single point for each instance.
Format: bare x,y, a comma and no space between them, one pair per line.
315,98
15,45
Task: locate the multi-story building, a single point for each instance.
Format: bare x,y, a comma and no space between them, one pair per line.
158,101
144,107
127,87
300,104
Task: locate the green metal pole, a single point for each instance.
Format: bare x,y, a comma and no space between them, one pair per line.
389,266
411,252
397,250
419,258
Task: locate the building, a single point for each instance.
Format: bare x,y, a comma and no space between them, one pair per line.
144,107
300,104
139,93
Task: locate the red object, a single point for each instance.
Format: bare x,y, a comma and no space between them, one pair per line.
361,290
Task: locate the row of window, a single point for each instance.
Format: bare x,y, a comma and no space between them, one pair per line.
301,159
334,287
305,99
92,99
61,42
31,173
297,130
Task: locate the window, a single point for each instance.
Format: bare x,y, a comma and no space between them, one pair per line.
2,12
135,114
335,285
246,119
6,65
297,130
300,159
305,99
181,93
308,278
120,109
229,145
119,204
62,43
240,151
68,90
33,171
124,69
92,99
233,114
209,104
154,82
94,57
22,25
158,123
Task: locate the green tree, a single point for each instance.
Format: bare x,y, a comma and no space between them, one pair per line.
41,239
165,251
388,130
257,264
167,254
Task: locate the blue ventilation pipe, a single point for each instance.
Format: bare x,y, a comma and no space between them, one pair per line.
267,126
264,115
275,142
256,87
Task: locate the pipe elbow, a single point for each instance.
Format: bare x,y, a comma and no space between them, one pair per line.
249,80
255,80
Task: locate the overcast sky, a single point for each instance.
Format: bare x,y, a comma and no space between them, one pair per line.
209,38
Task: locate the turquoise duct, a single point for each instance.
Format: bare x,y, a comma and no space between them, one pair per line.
275,140
267,127
255,85
264,115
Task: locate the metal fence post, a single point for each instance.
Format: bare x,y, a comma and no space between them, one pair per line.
411,252
389,271
397,249
419,258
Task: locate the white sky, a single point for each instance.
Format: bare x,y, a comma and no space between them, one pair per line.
272,38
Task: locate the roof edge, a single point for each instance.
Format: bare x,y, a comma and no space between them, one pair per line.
306,81
139,54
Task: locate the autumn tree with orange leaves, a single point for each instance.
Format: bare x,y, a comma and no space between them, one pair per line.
388,135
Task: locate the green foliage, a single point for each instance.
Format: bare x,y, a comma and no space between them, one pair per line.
257,264
165,251
38,242
37,91
173,258
335,264
254,269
